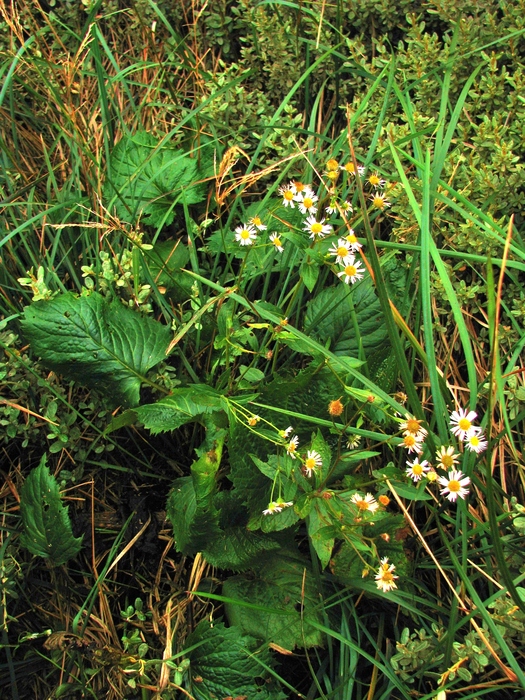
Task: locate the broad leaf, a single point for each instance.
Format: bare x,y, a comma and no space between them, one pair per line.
101,344
47,527
279,587
321,531
351,318
146,179
182,406
224,663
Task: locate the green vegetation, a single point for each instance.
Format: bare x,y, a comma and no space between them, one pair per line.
261,316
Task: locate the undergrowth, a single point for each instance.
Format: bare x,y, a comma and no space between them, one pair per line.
262,328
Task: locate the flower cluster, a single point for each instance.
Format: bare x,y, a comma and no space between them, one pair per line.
455,483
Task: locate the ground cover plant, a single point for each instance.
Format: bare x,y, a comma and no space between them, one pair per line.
262,328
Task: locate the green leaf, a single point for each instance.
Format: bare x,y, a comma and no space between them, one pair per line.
182,406
351,318
309,272
278,588
101,344
146,180
194,524
226,663
47,527
165,262
321,531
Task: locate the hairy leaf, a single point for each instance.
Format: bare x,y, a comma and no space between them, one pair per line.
146,179
321,531
47,527
101,344
182,406
349,317
279,587
227,664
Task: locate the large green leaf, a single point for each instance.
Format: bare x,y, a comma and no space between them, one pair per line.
182,406
146,179
351,318
279,587
47,527
101,344
224,663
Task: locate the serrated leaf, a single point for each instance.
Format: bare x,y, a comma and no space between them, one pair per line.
47,527
321,530
165,260
100,344
351,318
146,180
279,587
194,525
182,406
238,549
226,663
309,272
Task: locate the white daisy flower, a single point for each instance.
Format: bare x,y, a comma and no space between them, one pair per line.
273,507
461,423
342,251
412,426
376,181
284,504
352,271
312,462
277,241
350,169
307,203
454,485
416,470
316,228
447,457
292,446
379,201
288,194
257,222
367,502
412,443
351,238
476,442
285,433
245,234
385,576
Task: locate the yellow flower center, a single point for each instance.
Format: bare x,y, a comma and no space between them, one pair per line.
378,202
332,174
332,164
317,227
349,167
454,486
342,252
464,424
351,238
299,187
362,504
276,241
350,270
245,234
307,202
412,425
417,469
474,440
387,576
447,461
291,447
256,221
288,195
432,476
409,440
374,180
310,464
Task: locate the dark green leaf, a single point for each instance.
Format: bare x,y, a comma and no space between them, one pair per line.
182,406
227,664
47,527
101,344
146,179
279,587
